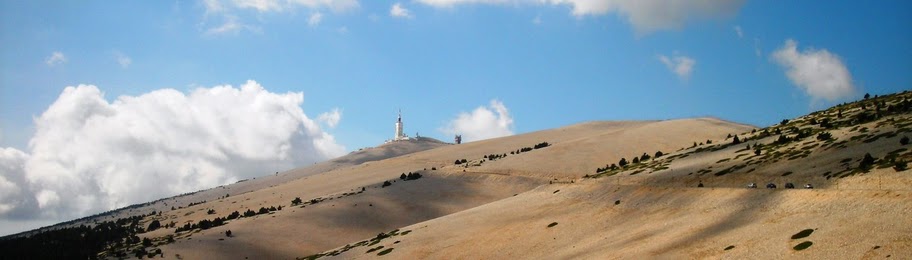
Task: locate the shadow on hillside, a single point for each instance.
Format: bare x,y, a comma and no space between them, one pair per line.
405,203
670,204
748,205
385,152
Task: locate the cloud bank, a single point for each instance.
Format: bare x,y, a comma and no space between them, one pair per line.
89,155
821,74
482,123
679,65
644,15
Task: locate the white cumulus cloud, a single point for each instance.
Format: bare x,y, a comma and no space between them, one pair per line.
226,17
12,174
315,19
644,15
678,64
334,5
282,5
652,15
331,118
482,123
231,25
453,3
739,31
213,6
260,5
820,73
89,155
399,12
122,59
55,59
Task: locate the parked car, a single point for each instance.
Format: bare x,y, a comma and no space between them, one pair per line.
789,185
770,185
752,185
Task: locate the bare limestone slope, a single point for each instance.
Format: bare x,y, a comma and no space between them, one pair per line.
345,199
658,208
564,193
353,159
345,213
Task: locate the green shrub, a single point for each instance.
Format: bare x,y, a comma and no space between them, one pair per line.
904,140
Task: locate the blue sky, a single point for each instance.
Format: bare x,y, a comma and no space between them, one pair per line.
565,69
482,68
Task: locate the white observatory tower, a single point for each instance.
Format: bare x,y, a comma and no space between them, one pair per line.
400,134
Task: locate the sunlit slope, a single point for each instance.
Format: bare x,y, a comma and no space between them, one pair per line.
356,158
446,188
579,149
656,209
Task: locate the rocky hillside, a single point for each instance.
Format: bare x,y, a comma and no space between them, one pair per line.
634,189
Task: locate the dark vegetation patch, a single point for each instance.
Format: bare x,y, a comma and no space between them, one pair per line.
730,169
803,245
373,249
741,155
218,221
81,242
410,176
386,251
552,224
371,242
729,247
803,234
